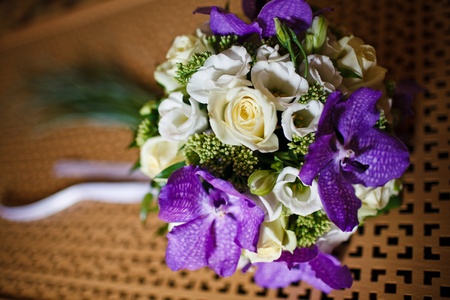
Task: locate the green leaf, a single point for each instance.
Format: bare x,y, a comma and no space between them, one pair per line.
348,73
169,170
147,206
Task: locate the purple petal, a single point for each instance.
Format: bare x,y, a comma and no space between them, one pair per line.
226,23
218,183
300,255
189,245
320,153
329,270
338,198
225,258
325,125
309,276
386,156
249,217
183,198
252,8
297,14
358,114
275,275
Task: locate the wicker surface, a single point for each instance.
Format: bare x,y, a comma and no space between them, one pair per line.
100,251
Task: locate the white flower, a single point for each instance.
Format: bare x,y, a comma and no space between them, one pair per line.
157,154
301,119
223,71
333,238
178,119
299,198
279,82
244,116
322,71
360,59
374,199
268,53
273,239
269,204
183,47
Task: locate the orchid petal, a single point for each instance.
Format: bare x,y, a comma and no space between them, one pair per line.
275,275
189,245
338,198
225,258
325,125
183,198
297,15
330,271
320,153
356,115
226,23
386,156
300,255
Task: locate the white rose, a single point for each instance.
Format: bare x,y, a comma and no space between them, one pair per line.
374,199
270,54
322,71
178,119
157,154
279,82
299,198
183,47
301,119
273,239
223,71
244,116
361,59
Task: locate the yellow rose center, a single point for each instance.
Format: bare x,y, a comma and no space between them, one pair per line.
247,117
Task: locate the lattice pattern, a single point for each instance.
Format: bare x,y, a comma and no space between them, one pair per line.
100,251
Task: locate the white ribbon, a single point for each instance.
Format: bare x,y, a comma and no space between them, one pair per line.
108,192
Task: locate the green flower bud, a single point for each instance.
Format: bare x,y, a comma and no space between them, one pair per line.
308,43
319,28
262,182
282,33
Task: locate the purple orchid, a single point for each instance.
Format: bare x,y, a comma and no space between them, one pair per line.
320,270
297,14
350,150
218,222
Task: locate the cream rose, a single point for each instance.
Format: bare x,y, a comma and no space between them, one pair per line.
183,47
157,154
273,239
360,59
244,116
178,119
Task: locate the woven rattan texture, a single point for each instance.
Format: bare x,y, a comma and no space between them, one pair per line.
100,251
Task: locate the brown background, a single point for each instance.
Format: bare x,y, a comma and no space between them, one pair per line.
100,251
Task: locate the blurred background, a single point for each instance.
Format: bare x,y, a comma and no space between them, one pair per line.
101,251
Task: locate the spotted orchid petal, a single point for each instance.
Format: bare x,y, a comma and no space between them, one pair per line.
300,255
338,198
329,270
297,15
224,23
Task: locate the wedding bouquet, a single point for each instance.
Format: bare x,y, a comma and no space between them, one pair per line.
273,143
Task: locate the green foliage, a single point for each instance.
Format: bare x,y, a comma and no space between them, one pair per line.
185,71
382,122
222,42
309,228
233,163
299,145
104,95
315,92
149,125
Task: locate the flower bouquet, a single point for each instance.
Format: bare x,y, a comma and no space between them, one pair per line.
272,145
